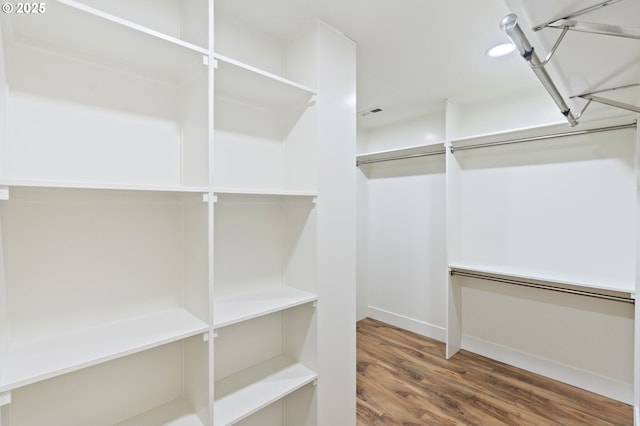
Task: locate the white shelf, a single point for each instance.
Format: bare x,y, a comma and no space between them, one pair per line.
244,393
241,307
577,280
94,35
265,192
417,151
37,360
97,185
556,127
241,81
175,413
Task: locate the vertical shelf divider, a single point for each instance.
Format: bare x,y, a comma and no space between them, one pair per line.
636,345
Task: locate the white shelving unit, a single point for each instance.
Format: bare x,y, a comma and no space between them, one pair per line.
158,220
265,240
104,214
259,144
94,279
260,361
129,102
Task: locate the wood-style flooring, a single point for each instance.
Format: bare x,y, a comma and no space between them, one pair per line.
404,379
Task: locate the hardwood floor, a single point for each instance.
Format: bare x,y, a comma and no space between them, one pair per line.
404,379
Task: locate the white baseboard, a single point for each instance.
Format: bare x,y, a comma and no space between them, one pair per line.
420,327
636,417
611,388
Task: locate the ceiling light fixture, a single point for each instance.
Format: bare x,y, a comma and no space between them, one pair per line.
501,50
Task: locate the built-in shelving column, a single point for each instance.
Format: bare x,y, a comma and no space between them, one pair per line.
105,214
264,180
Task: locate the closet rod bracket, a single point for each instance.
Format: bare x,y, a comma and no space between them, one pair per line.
546,60
611,102
567,22
574,14
597,28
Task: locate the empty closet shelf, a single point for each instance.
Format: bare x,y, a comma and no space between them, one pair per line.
175,413
32,183
242,394
35,360
236,308
93,33
238,80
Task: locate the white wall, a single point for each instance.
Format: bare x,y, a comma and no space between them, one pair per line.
402,257
362,240
406,244
405,222
529,108
420,130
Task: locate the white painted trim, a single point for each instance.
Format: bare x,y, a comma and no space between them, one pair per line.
417,326
583,379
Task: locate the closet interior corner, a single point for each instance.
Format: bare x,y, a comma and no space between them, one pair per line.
518,244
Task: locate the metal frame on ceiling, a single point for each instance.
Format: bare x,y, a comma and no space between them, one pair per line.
566,23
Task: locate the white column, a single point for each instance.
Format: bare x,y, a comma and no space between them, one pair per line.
336,120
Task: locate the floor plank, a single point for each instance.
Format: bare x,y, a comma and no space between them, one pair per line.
404,379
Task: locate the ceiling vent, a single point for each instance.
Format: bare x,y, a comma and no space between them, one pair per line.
370,111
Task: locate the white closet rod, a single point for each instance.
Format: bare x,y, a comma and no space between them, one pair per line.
399,157
540,138
544,287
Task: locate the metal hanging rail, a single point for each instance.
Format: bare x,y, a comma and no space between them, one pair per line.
509,24
399,157
544,286
545,137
